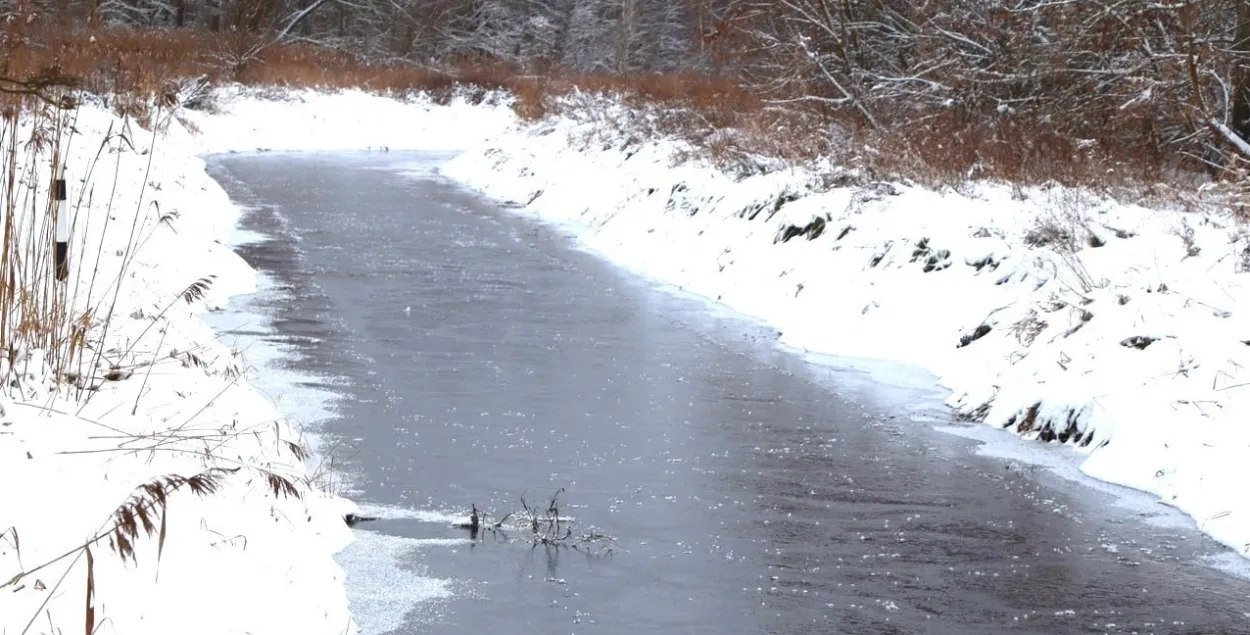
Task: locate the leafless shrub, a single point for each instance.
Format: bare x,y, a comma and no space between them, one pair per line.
1049,233
1096,93
1186,233
1243,256
1027,328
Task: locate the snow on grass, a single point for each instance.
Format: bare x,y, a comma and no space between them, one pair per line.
164,397
305,120
1052,312
72,459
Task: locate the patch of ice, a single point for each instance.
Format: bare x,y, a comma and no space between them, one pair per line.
386,584
391,512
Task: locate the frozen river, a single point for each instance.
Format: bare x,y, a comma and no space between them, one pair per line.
478,357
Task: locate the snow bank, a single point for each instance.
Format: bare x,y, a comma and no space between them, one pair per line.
1049,311
299,121
163,397
1062,316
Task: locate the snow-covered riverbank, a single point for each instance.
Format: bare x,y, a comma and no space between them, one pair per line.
1051,312
256,555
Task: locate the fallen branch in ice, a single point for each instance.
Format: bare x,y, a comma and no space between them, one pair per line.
353,519
543,527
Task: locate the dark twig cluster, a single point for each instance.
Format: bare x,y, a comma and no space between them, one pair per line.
541,526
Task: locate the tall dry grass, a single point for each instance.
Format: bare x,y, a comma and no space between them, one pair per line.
54,330
139,67
38,324
137,63
729,124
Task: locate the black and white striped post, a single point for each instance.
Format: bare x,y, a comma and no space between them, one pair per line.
61,255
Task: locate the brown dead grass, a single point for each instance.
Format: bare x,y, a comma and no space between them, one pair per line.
728,123
948,149
142,62
717,115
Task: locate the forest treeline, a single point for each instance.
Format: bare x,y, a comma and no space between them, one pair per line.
994,85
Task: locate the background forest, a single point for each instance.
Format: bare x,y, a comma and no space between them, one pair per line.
1023,90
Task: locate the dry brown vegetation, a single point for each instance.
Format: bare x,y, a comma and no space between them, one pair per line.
1120,93
935,146
145,64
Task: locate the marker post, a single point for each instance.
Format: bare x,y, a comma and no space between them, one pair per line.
61,255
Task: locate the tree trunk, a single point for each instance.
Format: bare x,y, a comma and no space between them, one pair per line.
1241,74
213,19
627,32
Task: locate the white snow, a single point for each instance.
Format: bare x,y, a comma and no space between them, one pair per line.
1167,419
903,273
301,121
243,560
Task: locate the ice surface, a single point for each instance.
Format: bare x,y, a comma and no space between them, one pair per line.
386,585
391,512
1050,311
